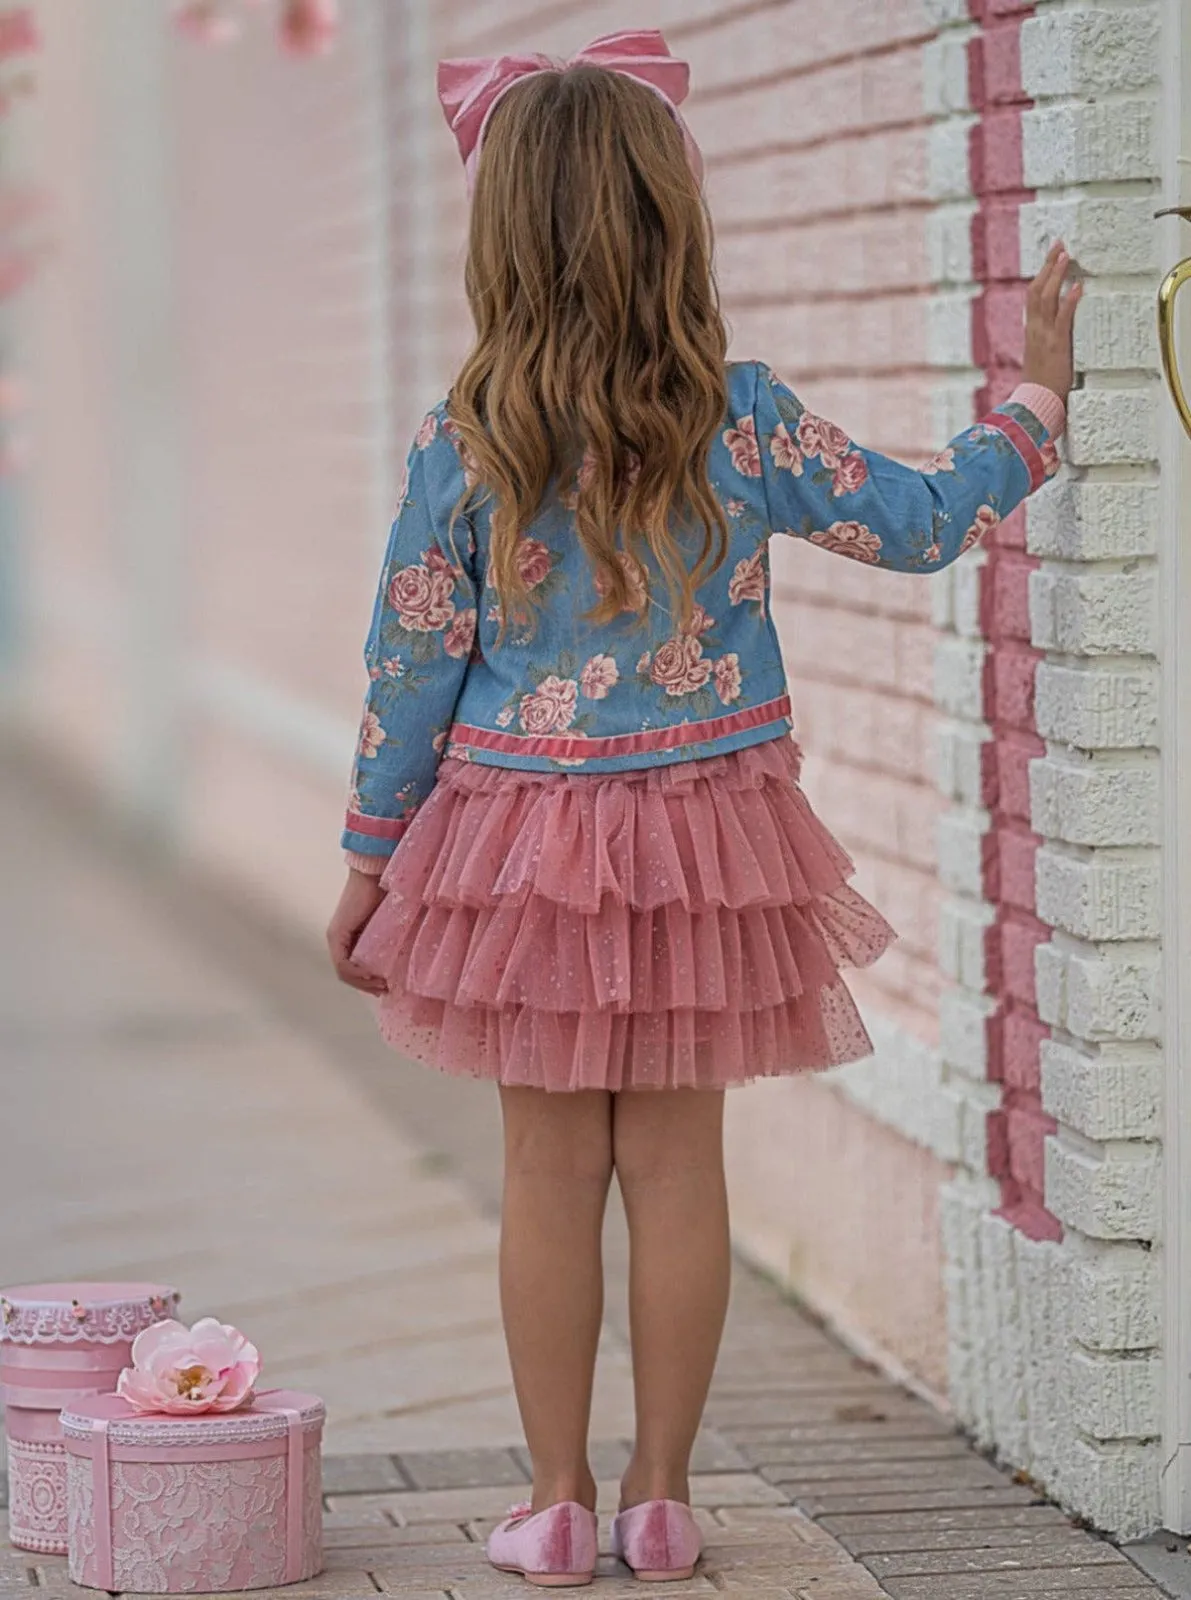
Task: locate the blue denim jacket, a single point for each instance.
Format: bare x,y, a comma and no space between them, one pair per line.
574,695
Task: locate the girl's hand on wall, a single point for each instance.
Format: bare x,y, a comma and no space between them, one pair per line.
361,896
1050,317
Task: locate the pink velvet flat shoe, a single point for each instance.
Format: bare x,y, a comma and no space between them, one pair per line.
556,1548
659,1540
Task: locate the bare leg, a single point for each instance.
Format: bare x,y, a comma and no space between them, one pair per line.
668,1149
558,1169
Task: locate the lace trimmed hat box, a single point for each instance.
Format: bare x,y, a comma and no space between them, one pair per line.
58,1343
205,1504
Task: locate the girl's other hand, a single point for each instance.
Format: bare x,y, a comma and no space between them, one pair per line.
361,895
1050,316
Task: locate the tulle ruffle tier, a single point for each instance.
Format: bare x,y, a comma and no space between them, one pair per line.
672,927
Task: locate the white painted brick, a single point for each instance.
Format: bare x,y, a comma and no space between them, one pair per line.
1006,1330
900,1085
1115,1295
947,13
1115,1396
1090,142
949,249
963,929
959,677
961,835
1076,519
947,159
1043,1272
963,1205
951,404
1112,1193
1105,235
1110,426
1116,1486
1096,800
942,591
945,74
1088,613
963,1031
1100,897
949,328
959,759
976,1101
1100,993
1097,707
1088,52
1116,331
966,586
1105,1092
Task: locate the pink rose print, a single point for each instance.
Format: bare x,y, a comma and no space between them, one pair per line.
393,667
986,521
533,562
818,437
470,472
551,708
734,508
784,451
944,461
933,552
700,622
439,742
598,676
422,595
503,718
643,664
374,673
748,582
1050,459
742,445
850,475
851,539
678,665
372,735
426,433
458,639
726,672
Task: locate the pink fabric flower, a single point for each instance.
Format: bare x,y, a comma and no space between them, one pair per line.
460,635
426,433
372,735
742,445
784,451
986,521
748,582
533,562
422,596
817,437
943,461
551,707
308,27
678,666
635,580
206,21
726,672
598,676
850,475
851,539
700,621
181,1370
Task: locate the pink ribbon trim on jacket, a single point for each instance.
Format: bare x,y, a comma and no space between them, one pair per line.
470,87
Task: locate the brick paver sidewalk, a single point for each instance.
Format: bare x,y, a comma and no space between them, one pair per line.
185,1098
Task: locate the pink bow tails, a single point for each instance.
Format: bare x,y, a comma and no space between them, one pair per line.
469,88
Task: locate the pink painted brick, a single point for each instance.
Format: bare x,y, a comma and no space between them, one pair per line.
1020,936
1022,1036
917,830
997,325
1011,531
1014,669
848,255
853,173
1008,578
1013,753
996,240
899,735
915,659
1027,1130
994,152
994,69
884,334
796,40
1016,848
997,1144
909,897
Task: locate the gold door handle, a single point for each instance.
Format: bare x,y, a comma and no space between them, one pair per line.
1167,292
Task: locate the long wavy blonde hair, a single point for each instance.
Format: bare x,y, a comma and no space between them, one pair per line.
599,350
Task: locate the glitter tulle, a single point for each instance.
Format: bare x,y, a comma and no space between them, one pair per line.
672,927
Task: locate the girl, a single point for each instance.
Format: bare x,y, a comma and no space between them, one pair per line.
581,864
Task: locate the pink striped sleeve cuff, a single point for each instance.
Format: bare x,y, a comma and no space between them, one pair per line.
1045,404
372,865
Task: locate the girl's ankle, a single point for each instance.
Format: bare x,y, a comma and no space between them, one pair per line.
549,1492
638,1487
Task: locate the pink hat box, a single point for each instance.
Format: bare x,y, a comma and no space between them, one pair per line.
58,1343
221,1501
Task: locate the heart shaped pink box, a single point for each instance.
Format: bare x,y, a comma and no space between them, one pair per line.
205,1504
58,1343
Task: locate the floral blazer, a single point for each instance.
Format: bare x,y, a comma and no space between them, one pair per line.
575,696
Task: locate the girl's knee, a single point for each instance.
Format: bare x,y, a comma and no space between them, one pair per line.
660,1136
561,1137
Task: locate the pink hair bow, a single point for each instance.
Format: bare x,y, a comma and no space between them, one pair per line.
469,88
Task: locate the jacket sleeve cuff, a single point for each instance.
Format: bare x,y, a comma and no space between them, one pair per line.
372,865
1045,404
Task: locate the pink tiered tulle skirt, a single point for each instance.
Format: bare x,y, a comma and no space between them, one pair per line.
672,927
